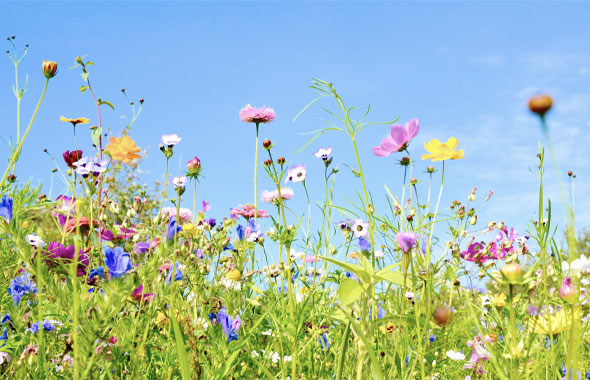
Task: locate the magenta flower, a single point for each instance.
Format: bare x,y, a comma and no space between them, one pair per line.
568,291
57,253
250,114
406,240
141,296
398,139
194,167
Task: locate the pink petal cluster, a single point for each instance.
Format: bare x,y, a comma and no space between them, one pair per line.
273,196
248,211
185,214
398,139
263,114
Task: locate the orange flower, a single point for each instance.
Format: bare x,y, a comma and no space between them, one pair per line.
123,149
80,120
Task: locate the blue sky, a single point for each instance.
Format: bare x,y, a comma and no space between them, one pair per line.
464,69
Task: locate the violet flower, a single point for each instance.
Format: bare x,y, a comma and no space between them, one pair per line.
230,325
178,273
173,228
140,296
398,139
20,286
406,240
57,252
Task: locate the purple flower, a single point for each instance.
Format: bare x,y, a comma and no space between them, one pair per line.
140,296
296,173
117,261
93,273
57,252
206,207
398,139
364,244
141,247
6,208
230,325
178,273
91,166
406,240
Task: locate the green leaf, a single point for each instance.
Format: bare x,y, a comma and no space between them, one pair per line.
107,103
96,136
180,349
349,290
83,88
84,76
390,276
356,269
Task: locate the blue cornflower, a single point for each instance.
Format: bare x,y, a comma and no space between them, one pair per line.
20,286
6,208
117,261
34,328
178,273
48,326
432,337
5,318
173,228
230,325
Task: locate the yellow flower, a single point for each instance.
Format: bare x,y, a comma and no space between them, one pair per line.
560,321
123,149
80,120
442,151
191,229
499,300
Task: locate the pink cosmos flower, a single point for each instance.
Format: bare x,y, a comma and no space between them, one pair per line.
185,214
398,139
250,114
247,212
273,196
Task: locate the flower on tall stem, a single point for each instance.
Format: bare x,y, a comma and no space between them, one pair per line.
57,253
229,324
49,69
179,182
273,196
76,121
406,241
442,151
360,228
193,168
123,149
171,140
248,211
296,173
264,114
323,153
398,139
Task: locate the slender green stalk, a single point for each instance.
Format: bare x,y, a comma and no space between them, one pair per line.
256,176
16,153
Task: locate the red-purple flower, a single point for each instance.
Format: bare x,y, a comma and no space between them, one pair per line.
57,252
71,157
398,139
141,296
263,114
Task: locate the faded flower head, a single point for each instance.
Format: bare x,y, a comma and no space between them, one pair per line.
71,157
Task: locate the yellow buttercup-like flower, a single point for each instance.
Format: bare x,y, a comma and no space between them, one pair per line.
191,229
442,151
123,149
560,321
80,120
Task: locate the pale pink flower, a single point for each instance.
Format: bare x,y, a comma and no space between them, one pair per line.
250,114
248,211
185,214
398,139
360,228
273,196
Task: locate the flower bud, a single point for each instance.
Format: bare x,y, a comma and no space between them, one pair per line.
405,161
540,104
267,162
267,144
49,69
500,225
512,272
471,197
430,169
281,160
570,173
442,315
568,290
11,178
413,181
131,213
194,166
473,220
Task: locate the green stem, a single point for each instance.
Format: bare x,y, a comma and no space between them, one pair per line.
256,177
16,153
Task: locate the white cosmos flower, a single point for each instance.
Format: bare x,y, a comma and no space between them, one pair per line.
454,355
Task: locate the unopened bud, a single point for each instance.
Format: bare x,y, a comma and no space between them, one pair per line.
430,169
413,181
281,160
471,197
49,69
568,290
405,161
141,101
267,162
500,226
570,173
442,315
512,272
11,178
473,220
267,144
131,213
540,104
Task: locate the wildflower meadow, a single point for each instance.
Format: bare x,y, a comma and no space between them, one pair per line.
112,278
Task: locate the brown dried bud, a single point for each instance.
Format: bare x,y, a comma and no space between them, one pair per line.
267,162
570,173
11,178
281,160
442,315
540,104
141,101
267,144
